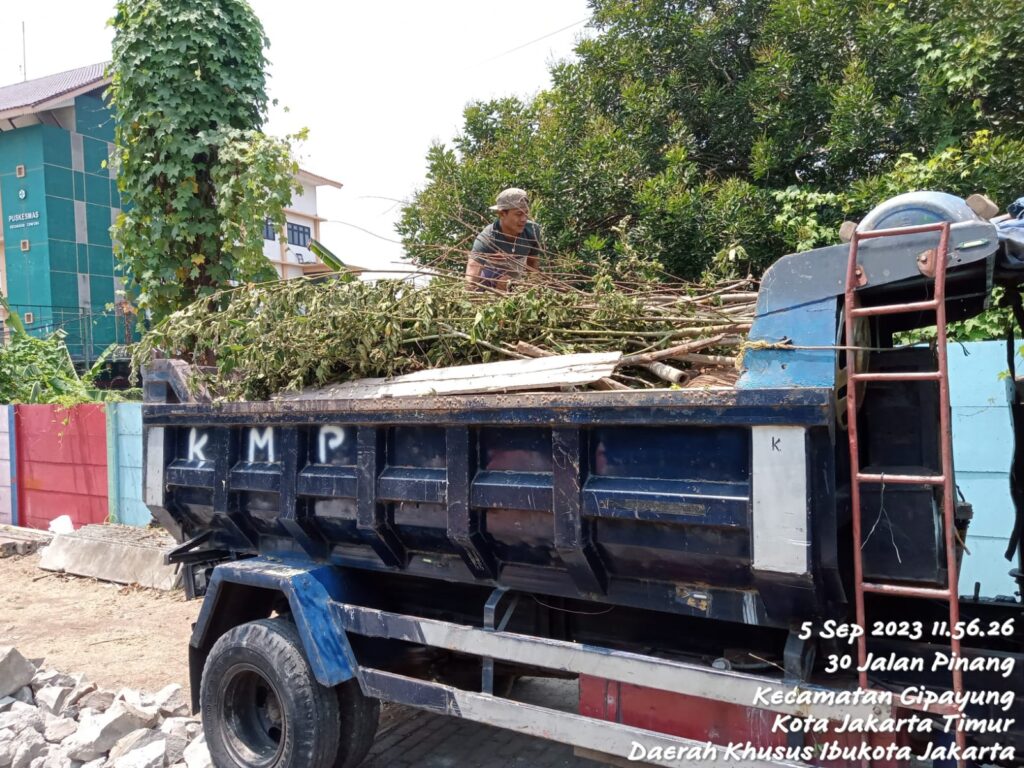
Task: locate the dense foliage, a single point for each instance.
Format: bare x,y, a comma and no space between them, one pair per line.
197,178
716,135
40,370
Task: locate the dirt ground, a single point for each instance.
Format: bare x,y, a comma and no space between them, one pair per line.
116,636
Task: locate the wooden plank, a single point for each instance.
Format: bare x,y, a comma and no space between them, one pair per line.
504,376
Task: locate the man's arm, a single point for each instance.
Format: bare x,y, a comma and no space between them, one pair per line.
473,269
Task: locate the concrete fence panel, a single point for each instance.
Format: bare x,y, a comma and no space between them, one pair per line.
60,464
124,462
6,491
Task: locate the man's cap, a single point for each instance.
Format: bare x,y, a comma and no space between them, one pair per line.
511,198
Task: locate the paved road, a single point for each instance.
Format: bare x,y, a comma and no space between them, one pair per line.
418,739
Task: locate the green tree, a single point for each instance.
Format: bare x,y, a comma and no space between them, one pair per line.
720,134
197,177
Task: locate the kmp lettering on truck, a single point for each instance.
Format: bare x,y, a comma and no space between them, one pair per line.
331,439
261,440
196,443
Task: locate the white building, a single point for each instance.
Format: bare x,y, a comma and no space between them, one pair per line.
288,250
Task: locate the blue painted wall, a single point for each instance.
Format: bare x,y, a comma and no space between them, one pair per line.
982,450
124,464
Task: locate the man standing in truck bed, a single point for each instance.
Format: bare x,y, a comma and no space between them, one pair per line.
507,248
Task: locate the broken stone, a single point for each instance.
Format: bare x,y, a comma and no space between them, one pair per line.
56,729
180,731
197,755
97,735
52,698
83,689
15,670
97,763
57,759
6,702
45,677
135,698
149,756
21,717
30,746
6,748
139,701
172,701
99,700
176,739
24,695
137,739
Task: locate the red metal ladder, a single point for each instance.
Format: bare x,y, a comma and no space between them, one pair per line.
853,311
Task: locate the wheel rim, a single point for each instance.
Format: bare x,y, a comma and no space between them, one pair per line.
254,730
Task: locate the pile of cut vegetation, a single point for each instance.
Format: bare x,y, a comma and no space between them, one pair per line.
263,340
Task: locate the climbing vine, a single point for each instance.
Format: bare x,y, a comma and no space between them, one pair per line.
198,178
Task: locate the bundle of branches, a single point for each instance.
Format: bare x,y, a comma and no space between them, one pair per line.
264,339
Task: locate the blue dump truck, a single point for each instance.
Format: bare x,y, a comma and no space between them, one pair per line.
761,574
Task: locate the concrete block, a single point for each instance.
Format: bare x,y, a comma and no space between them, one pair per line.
117,561
15,671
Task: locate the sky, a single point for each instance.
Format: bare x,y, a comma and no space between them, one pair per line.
374,82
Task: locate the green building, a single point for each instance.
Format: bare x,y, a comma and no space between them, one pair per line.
58,199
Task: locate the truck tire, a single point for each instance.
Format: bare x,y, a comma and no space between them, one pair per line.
358,718
261,705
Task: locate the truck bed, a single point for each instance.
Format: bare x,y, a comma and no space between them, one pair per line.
639,498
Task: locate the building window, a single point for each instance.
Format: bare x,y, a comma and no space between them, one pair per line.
299,235
268,230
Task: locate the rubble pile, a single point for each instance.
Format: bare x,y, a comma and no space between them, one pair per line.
53,720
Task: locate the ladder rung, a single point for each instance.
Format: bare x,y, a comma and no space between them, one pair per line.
894,309
934,708
881,478
898,590
909,376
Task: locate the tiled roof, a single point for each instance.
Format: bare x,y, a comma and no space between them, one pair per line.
22,97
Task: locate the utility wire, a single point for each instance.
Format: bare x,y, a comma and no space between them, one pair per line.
537,40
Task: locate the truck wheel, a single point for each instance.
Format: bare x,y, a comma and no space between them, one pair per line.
358,717
261,705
